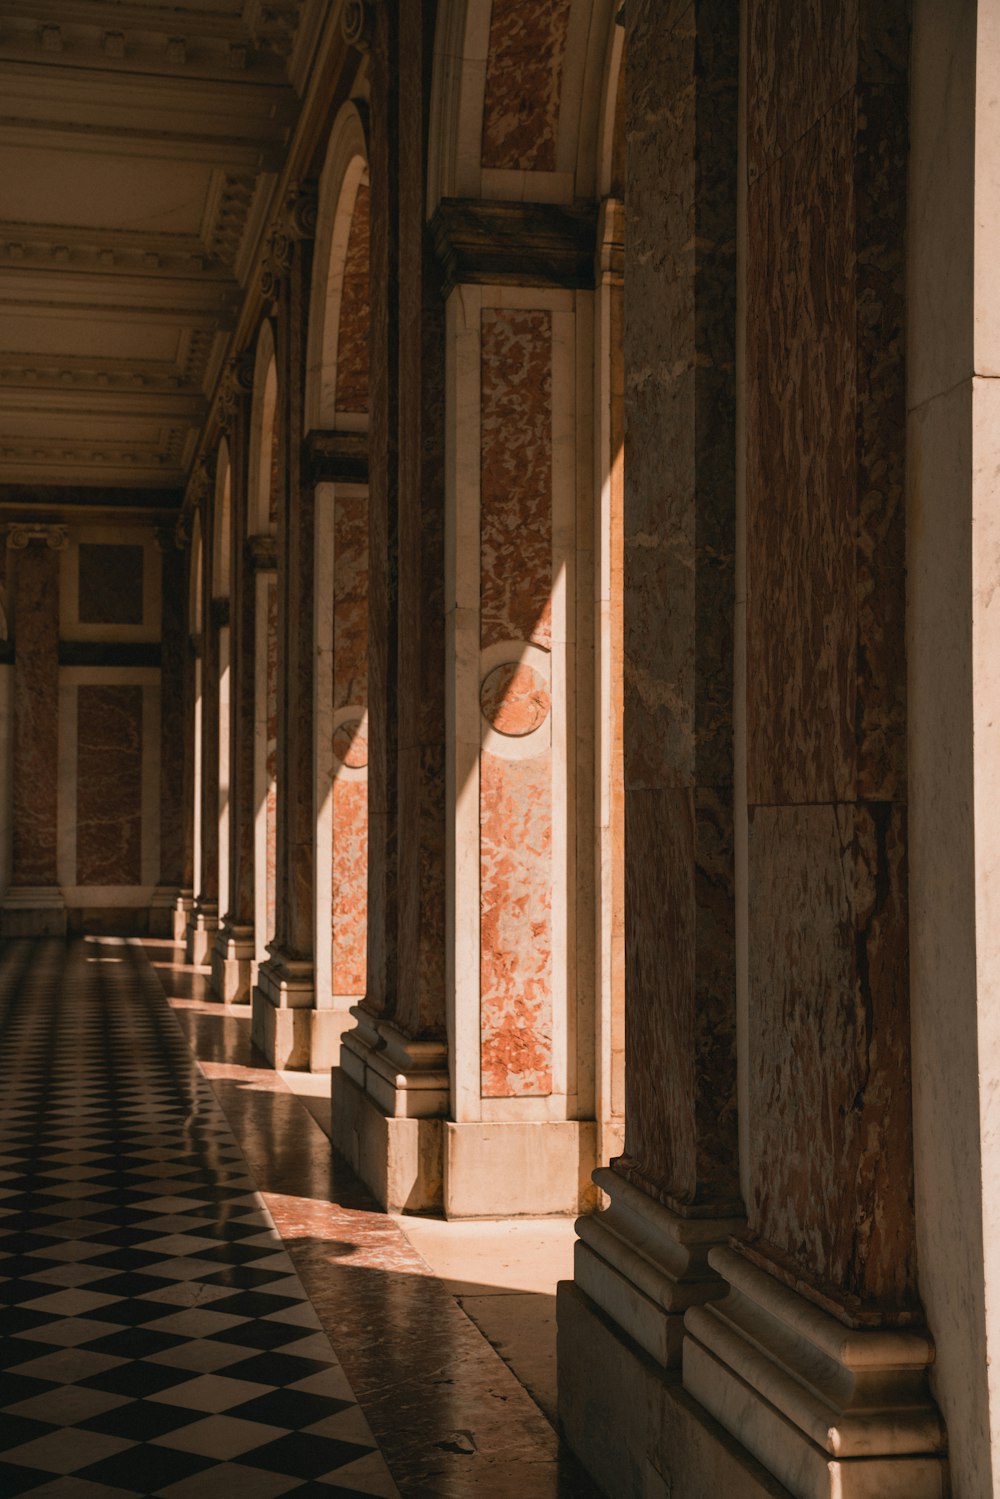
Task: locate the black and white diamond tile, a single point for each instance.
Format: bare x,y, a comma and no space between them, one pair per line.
156,1339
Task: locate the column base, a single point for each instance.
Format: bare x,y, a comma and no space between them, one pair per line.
33,911
630,1422
832,1412
182,913
203,924
645,1265
398,1159
281,1012
232,963
161,912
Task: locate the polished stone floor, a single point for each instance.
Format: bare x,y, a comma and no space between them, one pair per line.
197,1296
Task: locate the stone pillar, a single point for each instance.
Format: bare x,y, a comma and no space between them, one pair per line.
287,1026
33,905
233,971
204,919
675,1191
816,1359
391,1088
167,909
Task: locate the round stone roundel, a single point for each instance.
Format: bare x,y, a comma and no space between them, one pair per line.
514,699
350,744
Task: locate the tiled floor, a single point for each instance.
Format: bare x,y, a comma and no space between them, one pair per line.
178,1249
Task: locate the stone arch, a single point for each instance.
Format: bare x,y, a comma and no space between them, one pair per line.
337,367
515,111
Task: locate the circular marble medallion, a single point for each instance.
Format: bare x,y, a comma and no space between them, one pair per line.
350,744
514,699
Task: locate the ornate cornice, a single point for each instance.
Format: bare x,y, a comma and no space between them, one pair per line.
515,244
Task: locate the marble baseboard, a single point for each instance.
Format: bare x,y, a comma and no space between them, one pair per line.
33,911
833,1412
398,1159
521,1169
632,1425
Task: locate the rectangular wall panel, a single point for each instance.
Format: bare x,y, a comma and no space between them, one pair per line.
109,786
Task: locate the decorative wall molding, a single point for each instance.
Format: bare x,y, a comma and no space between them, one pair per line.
235,387
515,244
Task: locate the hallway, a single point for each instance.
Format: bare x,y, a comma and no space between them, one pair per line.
198,1297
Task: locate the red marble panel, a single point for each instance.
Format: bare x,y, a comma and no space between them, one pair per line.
271,869
801,472
516,925
355,313
829,1066
110,584
275,485
350,797
516,501
36,715
109,786
524,84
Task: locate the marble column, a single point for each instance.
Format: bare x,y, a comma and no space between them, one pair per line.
391,1090
816,1359
204,920
33,904
169,912
287,1026
674,1193
233,970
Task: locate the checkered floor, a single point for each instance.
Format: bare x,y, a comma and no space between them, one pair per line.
156,1338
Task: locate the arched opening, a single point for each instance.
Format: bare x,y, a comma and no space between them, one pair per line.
262,500
221,562
337,403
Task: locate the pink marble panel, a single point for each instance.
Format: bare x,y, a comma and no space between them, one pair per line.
272,757
352,336
523,84
516,503
272,494
349,912
515,966
109,785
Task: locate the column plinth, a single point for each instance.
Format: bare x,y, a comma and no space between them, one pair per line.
282,1021
232,959
202,925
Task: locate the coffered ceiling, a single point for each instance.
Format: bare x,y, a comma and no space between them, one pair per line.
139,150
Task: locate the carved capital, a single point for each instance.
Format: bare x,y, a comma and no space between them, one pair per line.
236,384
19,537
295,221
357,22
515,244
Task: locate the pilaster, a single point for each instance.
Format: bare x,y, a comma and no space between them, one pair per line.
285,1024
33,905
674,1193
